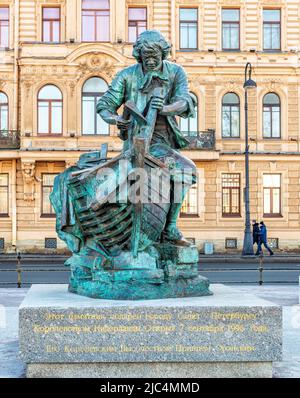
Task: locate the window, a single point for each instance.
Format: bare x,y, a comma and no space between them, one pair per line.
188,28
47,187
190,204
4,195
4,26
50,110
271,116
137,23
230,116
272,29
95,20
189,127
92,123
230,29
51,24
231,187
272,194
3,112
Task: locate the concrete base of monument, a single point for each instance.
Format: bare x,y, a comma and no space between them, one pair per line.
228,334
152,370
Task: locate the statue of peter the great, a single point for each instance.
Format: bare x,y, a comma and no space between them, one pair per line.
137,83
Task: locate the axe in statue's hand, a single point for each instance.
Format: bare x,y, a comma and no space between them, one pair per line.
130,112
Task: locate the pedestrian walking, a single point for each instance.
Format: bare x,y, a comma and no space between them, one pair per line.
263,240
256,231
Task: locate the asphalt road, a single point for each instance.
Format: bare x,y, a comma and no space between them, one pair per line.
53,271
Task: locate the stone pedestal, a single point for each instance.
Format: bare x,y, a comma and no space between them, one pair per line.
229,334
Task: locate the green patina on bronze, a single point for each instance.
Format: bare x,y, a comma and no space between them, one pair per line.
132,249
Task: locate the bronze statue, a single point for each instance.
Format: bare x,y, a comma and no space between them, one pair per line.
126,245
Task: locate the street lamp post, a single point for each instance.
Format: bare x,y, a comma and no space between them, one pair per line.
248,241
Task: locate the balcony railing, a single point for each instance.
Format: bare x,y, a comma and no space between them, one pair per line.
205,140
9,139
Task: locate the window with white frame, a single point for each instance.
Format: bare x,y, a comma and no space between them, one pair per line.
3,113
272,29
272,194
137,22
92,123
188,27
95,20
4,190
4,26
47,187
51,24
230,116
189,126
230,29
271,116
190,204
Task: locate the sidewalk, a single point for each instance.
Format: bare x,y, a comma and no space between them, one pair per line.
279,257
285,258
286,296
34,257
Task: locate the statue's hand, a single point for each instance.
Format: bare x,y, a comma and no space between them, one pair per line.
123,124
176,108
157,103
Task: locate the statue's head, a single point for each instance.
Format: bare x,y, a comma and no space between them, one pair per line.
150,49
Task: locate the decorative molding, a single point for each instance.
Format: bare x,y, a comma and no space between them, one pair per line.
273,2
96,63
29,178
2,84
231,166
234,85
271,84
27,84
70,162
273,166
30,72
72,86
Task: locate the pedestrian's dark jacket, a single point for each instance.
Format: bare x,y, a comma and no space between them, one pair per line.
263,234
256,232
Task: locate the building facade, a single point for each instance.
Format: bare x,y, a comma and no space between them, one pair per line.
57,58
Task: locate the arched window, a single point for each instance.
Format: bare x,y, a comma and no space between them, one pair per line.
92,123
189,127
3,112
50,110
271,116
230,116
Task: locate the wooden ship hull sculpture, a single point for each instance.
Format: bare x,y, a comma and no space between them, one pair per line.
112,225
119,254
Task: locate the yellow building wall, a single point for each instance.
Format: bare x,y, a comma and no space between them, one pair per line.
29,64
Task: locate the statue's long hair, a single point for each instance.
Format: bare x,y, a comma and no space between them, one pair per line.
151,39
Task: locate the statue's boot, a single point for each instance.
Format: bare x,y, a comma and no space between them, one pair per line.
171,233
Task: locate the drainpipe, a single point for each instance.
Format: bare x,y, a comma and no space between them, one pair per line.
16,65
15,122
173,29
14,203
